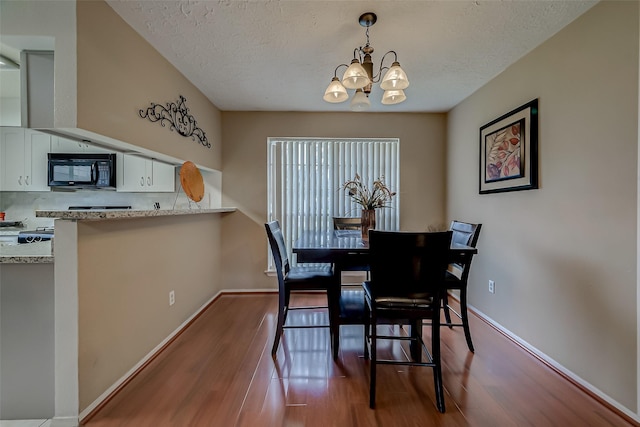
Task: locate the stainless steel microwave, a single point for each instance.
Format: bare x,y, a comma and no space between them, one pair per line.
82,171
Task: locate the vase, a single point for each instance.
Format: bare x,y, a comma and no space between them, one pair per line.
368,222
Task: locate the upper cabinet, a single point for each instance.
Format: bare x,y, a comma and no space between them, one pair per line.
64,145
164,176
140,174
23,158
24,163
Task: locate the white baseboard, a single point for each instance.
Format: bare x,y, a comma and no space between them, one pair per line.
64,422
556,366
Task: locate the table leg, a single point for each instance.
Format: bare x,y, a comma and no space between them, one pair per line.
333,299
415,347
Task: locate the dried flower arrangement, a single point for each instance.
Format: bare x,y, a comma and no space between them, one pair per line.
377,197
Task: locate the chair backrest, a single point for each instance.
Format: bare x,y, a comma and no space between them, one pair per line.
408,262
278,250
465,233
346,223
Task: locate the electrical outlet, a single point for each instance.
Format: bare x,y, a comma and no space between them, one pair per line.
172,297
492,286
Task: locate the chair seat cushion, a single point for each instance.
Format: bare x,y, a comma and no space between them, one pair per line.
409,301
322,276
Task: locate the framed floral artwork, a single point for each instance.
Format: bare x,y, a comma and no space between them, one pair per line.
509,151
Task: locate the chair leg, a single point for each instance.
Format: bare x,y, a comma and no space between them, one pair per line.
435,355
415,348
367,332
287,297
282,317
445,308
333,304
465,318
372,363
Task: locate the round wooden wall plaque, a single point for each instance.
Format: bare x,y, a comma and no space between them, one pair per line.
191,181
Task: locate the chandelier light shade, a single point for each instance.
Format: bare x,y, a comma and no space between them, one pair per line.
395,78
335,92
359,76
360,101
391,97
356,76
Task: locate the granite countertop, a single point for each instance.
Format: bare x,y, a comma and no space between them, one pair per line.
95,215
42,252
28,253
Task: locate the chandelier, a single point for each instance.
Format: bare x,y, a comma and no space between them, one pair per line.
359,76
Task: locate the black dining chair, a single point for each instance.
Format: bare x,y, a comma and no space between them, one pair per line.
352,263
351,298
347,223
290,279
458,276
407,274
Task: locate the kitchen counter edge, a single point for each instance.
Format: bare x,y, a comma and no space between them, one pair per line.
26,259
96,215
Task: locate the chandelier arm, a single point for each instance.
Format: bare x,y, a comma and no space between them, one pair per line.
335,72
357,54
378,76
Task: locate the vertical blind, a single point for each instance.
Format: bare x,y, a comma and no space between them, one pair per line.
305,176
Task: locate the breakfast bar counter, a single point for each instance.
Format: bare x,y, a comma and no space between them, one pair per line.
94,215
42,252
30,253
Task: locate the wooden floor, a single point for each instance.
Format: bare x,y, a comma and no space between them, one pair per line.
219,372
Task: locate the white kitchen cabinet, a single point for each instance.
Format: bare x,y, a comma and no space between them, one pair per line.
24,159
64,145
140,174
164,176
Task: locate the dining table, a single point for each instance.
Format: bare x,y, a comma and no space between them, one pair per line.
344,248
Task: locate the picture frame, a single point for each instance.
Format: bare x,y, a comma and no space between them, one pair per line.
509,151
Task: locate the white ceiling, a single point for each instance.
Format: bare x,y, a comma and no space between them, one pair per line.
280,55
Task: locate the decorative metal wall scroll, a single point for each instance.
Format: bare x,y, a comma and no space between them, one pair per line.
177,115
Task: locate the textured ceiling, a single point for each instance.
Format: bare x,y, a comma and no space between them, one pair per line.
281,55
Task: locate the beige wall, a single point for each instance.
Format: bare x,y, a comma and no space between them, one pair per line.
126,269
564,256
422,145
119,73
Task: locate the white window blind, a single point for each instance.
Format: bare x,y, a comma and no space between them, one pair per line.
304,179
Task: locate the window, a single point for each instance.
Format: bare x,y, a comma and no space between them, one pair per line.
304,179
